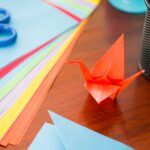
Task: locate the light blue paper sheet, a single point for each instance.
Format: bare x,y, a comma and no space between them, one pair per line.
47,139
75,137
36,22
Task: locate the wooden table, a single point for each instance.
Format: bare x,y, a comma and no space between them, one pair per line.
127,120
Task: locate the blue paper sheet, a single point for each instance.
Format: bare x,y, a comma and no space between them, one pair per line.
74,137
36,22
47,139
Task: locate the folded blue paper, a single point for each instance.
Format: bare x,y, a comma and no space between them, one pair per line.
36,23
67,135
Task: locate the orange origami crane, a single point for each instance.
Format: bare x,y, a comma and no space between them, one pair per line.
106,79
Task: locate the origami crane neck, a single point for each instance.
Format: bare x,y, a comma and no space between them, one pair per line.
87,75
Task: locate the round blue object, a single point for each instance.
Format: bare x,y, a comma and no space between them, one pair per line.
4,16
129,6
10,33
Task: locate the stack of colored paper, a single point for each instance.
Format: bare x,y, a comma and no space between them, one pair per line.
46,33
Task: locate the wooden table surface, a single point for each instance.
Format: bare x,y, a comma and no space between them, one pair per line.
127,120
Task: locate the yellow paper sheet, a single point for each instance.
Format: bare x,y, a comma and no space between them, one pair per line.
13,113
94,1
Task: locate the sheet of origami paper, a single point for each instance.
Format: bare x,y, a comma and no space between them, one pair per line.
64,134
16,109
106,79
49,138
24,22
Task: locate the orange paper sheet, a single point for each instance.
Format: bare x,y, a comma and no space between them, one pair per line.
106,79
17,131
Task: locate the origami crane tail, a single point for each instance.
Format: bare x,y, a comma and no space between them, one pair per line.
124,84
87,75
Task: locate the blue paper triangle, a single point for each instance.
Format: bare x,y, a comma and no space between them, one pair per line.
77,137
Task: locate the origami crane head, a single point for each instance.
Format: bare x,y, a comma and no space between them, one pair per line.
106,79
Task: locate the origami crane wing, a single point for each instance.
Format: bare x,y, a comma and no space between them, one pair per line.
124,84
100,92
112,63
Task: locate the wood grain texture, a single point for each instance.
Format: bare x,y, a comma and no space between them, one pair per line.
127,120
